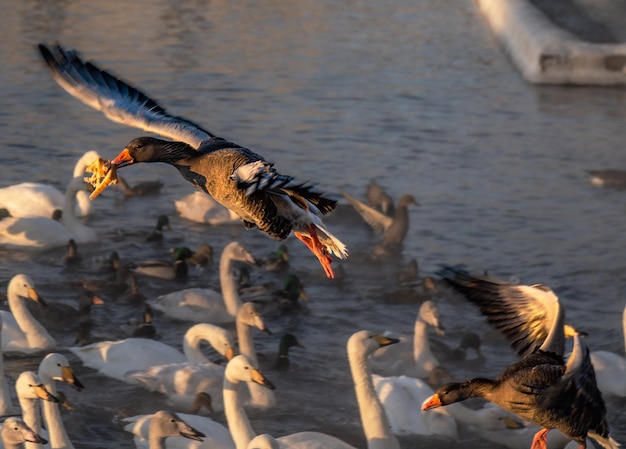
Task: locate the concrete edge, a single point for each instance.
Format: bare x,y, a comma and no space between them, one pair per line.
546,54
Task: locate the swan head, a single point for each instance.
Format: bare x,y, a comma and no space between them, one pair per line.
29,386
15,431
24,287
218,337
234,251
429,314
168,424
250,314
56,367
242,369
366,342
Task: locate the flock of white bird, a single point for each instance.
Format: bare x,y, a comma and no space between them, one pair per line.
389,371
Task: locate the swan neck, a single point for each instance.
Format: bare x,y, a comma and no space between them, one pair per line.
624,328
238,422
156,441
228,284
191,347
373,418
421,347
36,335
246,340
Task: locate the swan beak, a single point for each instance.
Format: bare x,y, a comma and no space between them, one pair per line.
189,432
385,341
250,259
41,392
257,377
123,159
230,353
431,402
35,438
69,378
32,294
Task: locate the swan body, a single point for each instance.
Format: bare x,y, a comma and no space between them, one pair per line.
204,304
117,358
21,332
36,199
215,435
402,398
610,368
181,382
38,233
201,208
410,358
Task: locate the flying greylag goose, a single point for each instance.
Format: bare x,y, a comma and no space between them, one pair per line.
236,177
15,433
541,387
392,228
610,368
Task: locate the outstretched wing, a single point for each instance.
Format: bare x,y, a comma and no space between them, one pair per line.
525,314
116,99
378,221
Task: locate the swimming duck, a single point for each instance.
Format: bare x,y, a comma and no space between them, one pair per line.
156,235
610,178
202,257
393,229
176,269
236,177
287,341
277,261
541,387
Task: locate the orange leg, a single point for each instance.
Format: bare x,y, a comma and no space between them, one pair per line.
316,247
540,441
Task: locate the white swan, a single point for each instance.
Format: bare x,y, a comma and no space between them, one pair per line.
410,358
610,368
43,233
248,317
263,441
165,429
201,208
15,432
181,382
402,399
21,332
30,390
204,304
116,358
37,199
375,424
55,367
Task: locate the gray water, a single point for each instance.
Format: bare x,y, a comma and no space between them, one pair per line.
415,94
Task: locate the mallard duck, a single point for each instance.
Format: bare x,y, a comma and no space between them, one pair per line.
379,199
144,188
156,235
166,269
236,177
287,341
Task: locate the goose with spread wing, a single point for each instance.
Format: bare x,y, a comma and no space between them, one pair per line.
236,177
541,387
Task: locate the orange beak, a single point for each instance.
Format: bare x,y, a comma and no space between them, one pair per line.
431,402
123,159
